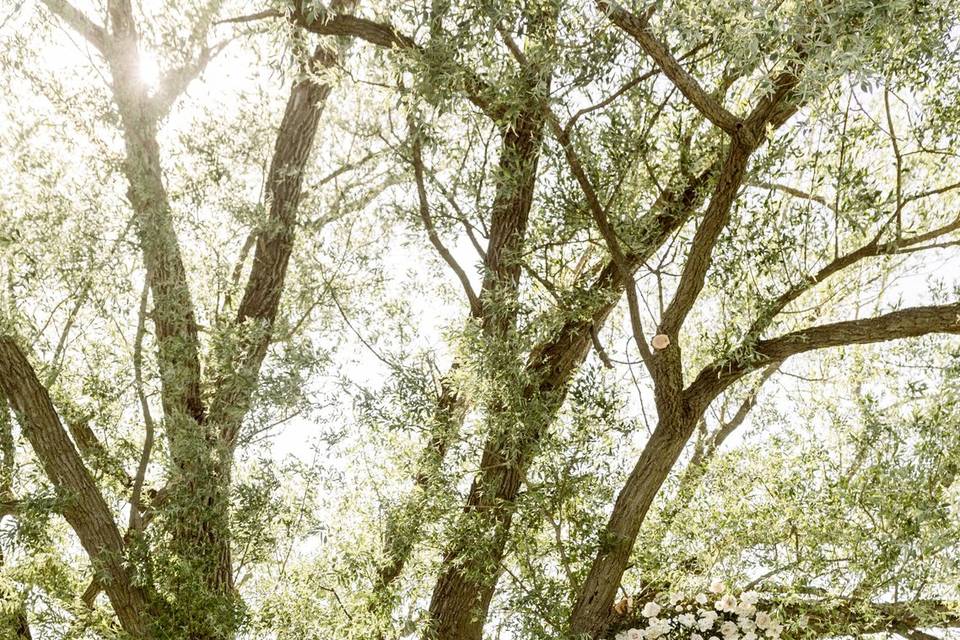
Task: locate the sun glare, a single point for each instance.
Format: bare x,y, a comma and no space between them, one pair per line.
149,70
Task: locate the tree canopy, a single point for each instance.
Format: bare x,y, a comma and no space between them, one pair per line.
462,320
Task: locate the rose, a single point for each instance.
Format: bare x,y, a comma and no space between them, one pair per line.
687,619
729,630
706,621
763,619
726,603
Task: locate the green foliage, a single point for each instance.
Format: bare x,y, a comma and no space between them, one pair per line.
841,483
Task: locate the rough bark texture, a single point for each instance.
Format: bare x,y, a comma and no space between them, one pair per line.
258,309
461,597
516,175
516,181
197,490
460,600
83,506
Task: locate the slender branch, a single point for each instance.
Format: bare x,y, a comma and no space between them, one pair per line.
627,86
253,17
135,515
174,83
793,191
931,192
898,191
476,308
639,28
871,249
907,323
80,299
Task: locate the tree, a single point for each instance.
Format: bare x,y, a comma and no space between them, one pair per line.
743,195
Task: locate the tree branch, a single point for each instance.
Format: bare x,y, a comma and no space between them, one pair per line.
330,23
136,522
701,251
79,22
424,207
906,323
599,214
871,249
773,109
257,313
639,28
174,83
84,507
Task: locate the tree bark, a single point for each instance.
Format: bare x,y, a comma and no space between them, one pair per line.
83,506
239,368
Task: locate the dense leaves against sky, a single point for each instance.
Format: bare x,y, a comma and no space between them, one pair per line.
463,320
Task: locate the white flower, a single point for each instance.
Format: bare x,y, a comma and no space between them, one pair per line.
650,610
726,603
745,609
634,634
750,635
750,597
701,598
678,607
705,623
729,630
696,636
746,624
763,620
716,586
657,628
713,638
687,619
774,629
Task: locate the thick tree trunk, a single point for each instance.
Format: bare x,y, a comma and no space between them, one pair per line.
463,591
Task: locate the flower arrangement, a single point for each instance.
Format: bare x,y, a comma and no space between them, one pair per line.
717,616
